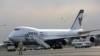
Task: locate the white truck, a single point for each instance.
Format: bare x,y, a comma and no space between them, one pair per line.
82,44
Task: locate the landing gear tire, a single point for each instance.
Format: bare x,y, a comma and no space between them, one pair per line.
15,45
57,46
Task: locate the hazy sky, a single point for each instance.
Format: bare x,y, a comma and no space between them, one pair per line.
47,14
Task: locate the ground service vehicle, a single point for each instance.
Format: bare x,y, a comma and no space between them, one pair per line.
10,47
83,45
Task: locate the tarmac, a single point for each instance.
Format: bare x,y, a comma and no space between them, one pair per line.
92,51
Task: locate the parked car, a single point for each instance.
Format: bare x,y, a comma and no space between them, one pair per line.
10,47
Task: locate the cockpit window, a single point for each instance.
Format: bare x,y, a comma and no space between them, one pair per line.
17,29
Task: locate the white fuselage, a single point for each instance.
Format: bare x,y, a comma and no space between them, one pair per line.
19,34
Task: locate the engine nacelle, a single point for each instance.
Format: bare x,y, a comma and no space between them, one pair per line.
94,38
65,41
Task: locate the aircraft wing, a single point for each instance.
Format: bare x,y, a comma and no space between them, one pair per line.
52,38
47,38
85,32
55,38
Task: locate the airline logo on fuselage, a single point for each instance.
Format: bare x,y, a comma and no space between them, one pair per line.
80,20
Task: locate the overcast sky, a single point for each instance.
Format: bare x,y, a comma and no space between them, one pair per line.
47,14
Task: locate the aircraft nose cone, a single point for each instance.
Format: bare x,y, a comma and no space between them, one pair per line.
10,35
10,39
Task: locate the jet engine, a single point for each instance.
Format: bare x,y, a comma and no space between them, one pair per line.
95,38
65,41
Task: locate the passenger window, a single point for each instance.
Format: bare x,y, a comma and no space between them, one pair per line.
17,29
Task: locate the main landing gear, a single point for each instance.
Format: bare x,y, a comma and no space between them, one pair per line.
57,45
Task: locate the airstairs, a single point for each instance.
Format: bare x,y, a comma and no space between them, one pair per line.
40,42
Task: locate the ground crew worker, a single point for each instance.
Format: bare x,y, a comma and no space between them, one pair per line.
20,46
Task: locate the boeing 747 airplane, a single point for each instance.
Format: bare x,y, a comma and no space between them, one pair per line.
48,38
